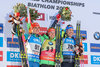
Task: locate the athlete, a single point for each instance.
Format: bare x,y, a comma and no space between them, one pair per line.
47,57
33,46
68,48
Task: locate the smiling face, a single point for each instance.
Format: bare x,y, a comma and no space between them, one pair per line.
51,34
36,30
70,32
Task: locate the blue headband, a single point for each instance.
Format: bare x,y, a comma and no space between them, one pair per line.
69,27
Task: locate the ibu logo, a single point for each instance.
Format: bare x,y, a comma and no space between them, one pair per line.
13,56
95,59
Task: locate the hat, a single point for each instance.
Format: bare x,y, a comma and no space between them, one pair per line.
51,29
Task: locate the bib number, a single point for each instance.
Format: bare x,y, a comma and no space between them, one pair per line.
33,48
68,47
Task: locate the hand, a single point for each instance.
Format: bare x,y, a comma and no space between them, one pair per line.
61,60
58,16
82,49
76,48
22,30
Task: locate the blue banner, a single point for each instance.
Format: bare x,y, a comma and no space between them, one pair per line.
1,28
85,47
95,59
13,44
82,32
94,47
1,41
13,56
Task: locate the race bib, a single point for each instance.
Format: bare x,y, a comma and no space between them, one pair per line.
68,47
33,48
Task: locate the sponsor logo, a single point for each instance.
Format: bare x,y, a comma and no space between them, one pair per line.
97,35
69,40
84,59
94,47
41,17
36,40
52,17
82,33
1,41
85,47
95,59
1,55
50,43
13,44
13,56
43,30
13,66
1,28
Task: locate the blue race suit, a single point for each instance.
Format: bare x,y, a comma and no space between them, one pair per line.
33,50
68,48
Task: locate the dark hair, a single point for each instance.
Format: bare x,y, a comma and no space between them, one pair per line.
68,27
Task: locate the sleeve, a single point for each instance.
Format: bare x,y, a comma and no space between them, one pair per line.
26,36
28,25
45,36
42,39
74,42
16,35
62,33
